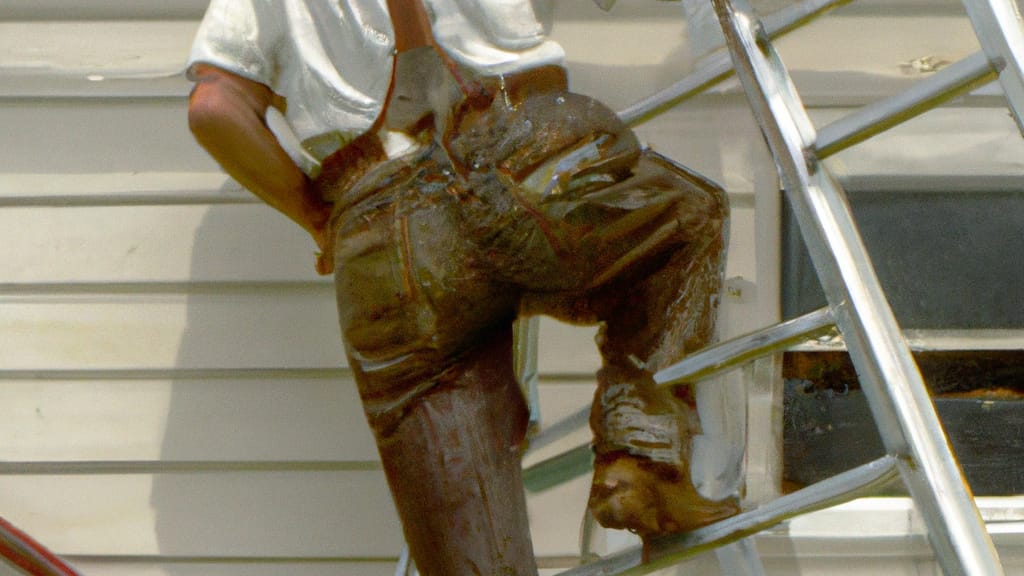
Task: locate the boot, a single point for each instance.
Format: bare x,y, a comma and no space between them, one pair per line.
642,451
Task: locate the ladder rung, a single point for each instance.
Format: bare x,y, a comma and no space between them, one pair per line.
898,397
944,85
559,469
405,566
733,353
526,333
812,332
718,67
740,558
860,481
702,364
933,341
550,434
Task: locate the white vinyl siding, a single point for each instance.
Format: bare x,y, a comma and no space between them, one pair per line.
174,399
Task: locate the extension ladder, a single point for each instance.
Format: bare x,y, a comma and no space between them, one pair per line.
917,449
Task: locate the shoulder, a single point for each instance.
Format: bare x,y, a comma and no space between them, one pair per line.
240,36
514,25
496,36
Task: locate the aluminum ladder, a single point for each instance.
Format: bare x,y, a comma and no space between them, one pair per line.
918,450
917,447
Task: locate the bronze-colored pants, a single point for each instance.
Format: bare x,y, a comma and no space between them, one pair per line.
547,207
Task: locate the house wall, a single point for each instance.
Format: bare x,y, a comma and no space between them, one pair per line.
173,396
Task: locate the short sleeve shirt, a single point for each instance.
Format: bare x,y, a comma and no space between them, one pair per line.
332,59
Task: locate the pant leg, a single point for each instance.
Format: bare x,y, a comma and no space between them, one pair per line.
453,465
644,456
429,273
623,237
413,293
428,336
656,293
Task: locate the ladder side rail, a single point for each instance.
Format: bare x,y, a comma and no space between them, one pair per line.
405,565
999,26
893,385
858,482
741,558
956,80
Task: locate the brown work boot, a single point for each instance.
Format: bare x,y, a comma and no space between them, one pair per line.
642,460
650,498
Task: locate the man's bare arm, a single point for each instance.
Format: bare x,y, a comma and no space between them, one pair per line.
226,115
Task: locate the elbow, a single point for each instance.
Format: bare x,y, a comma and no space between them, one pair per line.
208,112
224,107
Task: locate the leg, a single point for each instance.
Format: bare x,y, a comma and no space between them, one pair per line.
642,433
659,273
453,464
429,340
623,237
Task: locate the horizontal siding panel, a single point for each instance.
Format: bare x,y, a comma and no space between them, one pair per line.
76,136
244,242
159,188
215,419
560,400
269,419
193,9
95,85
712,136
137,136
314,567
242,514
143,136
620,76
892,47
556,516
965,144
565,349
845,72
171,244
273,327
113,188
52,58
68,47
322,514
103,10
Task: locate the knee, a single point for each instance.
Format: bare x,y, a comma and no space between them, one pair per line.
703,214
718,204
717,213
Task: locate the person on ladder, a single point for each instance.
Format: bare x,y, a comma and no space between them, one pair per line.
452,182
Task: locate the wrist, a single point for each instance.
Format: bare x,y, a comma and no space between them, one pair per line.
316,213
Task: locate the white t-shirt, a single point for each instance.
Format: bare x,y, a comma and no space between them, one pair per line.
332,59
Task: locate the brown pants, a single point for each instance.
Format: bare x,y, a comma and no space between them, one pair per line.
546,207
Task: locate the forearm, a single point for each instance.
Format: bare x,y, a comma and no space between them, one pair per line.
226,116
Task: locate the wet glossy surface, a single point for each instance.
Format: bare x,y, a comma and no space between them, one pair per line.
523,198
